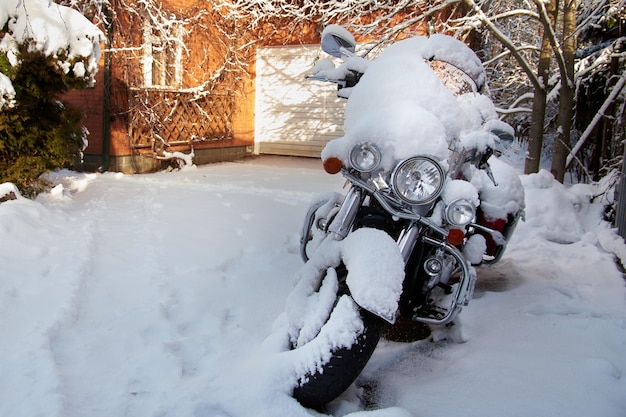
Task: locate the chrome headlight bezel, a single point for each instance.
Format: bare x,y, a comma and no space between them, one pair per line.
365,157
460,212
413,170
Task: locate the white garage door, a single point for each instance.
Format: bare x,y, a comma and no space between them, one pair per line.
294,116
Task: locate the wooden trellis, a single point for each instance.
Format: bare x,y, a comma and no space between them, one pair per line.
160,119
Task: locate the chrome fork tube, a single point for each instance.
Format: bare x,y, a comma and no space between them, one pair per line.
407,239
343,221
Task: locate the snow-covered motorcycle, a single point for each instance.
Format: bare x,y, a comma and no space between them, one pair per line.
428,200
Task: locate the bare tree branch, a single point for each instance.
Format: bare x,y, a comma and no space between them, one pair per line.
599,115
506,42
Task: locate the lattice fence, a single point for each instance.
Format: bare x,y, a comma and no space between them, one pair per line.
160,119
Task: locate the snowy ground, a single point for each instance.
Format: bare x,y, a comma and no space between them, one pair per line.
153,295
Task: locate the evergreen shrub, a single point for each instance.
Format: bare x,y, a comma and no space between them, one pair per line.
40,133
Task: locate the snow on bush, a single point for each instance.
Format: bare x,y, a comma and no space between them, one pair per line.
52,29
9,189
7,92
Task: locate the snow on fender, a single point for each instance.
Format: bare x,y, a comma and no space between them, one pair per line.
375,271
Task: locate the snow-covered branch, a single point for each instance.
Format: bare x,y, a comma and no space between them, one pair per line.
515,106
508,52
515,13
381,21
181,160
506,42
599,115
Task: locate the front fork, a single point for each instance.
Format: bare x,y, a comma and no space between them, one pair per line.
340,224
344,219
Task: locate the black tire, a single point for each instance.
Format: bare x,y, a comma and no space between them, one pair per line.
343,368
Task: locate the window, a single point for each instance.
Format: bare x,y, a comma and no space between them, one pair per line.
162,56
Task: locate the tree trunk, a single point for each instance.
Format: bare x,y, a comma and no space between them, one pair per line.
535,140
566,96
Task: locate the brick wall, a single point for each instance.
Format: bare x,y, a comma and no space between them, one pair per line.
90,101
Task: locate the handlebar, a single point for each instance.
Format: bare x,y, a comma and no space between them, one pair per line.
340,83
351,79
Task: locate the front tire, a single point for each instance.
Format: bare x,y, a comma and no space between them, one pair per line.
342,369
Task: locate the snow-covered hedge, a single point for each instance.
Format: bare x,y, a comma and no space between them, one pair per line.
56,31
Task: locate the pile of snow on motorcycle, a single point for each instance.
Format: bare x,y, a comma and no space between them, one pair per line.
428,200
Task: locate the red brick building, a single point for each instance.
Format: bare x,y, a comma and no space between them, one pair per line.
165,84
181,77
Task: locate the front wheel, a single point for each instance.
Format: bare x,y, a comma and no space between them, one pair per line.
345,364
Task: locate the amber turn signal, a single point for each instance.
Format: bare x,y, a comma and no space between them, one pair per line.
332,165
455,237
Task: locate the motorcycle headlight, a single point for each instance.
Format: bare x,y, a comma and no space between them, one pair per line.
418,180
460,212
365,157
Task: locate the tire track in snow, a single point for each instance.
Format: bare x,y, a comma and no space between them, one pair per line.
157,326
118,293
52,244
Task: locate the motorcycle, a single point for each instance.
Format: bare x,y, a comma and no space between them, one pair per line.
428,201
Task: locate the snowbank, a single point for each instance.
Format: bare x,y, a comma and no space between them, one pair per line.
162,294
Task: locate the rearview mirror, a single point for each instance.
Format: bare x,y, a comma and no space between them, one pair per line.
337,41
501,129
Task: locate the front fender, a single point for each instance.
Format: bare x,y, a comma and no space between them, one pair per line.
375,271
